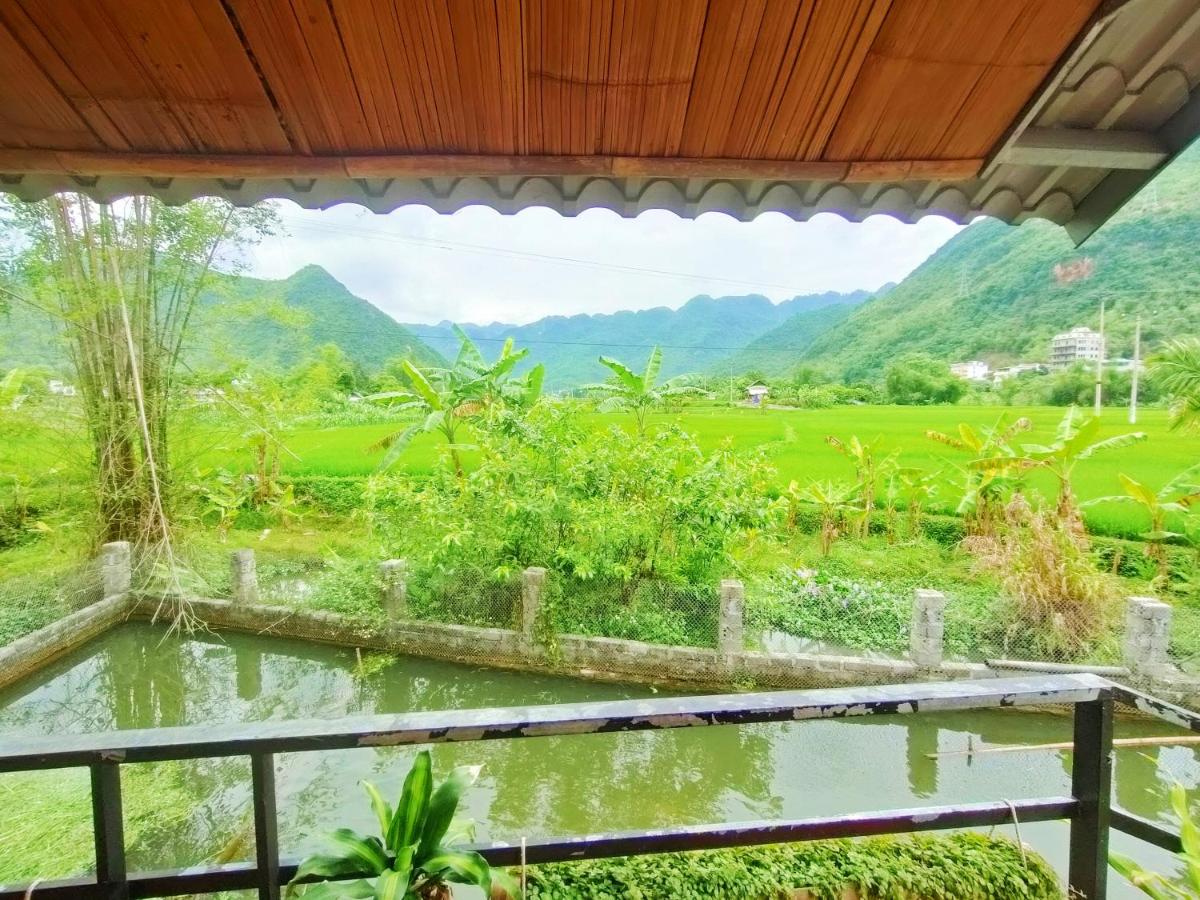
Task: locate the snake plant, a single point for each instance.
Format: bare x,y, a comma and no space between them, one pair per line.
411,860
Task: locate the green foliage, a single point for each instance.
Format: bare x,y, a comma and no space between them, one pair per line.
330,493
1177,369
957,867
471,389
921,380
414,856
990,293
1157,886
640,394
586,504
1176,497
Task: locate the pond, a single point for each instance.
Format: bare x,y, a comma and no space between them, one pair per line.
184,813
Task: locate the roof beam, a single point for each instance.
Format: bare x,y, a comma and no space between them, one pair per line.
162,165
1086,149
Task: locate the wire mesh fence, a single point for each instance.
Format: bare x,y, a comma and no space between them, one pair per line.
32,600
801,611
464,597
651,610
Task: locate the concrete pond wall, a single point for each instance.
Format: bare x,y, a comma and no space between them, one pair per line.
727,665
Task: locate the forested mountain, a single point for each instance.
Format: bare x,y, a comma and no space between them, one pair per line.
991,293
270,323
694,338
777,352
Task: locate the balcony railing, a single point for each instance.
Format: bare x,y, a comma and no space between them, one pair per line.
1088,808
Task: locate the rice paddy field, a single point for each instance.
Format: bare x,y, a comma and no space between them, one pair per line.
792,439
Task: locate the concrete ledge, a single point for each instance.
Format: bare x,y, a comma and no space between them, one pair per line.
27,654
599,658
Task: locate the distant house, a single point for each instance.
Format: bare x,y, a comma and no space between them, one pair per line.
61,388
1080,343
972,370
756,394
1013,371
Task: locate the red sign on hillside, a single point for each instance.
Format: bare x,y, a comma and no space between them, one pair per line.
1076,270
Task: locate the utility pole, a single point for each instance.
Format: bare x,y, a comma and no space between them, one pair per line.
1137,364
731,384
1100,362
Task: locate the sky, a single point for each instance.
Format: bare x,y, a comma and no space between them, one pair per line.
480,266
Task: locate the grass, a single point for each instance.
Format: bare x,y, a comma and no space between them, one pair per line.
795,443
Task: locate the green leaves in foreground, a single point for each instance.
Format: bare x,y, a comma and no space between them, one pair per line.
1154,885
411,861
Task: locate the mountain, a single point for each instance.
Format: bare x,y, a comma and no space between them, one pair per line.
695,337
991,293
274,323
777,352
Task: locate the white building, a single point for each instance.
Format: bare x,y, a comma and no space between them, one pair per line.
1078,344
972,370
61,388
1013,371
756,394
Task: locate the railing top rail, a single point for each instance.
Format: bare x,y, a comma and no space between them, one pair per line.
241,739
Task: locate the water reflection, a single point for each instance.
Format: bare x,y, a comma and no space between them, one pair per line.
135,678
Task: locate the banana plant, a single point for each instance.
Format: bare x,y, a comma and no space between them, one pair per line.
867,468
1073,443
412,859
834,502
994,470
640,393
445,398
1176,497
1157,886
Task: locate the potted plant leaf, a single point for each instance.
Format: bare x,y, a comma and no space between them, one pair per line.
414,858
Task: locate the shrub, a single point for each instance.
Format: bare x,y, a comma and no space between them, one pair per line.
330,493
956,867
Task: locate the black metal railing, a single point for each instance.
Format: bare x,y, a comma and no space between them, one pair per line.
1088,809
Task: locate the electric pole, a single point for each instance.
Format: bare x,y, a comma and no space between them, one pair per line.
1100,362
1137,364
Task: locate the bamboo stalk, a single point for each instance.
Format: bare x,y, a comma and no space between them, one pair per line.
1163,741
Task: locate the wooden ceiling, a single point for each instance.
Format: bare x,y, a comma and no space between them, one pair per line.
933,83
1058,109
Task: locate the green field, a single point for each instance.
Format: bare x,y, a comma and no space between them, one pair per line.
795,443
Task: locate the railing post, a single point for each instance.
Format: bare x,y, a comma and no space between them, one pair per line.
243,574
1091,785
1147,636
926,640
108,828
116,568
266,825
729,625
393,586
533,580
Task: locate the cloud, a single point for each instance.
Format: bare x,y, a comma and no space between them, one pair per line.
480,266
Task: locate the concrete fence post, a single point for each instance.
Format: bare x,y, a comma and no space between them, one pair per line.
533,581
243,576
729,623
927,637
116,568
1147,636
393,586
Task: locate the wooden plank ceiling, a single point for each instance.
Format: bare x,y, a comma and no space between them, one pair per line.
901,84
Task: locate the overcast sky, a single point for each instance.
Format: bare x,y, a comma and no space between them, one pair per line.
480,266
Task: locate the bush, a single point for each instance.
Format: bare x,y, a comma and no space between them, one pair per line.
330,493
945,530
956,867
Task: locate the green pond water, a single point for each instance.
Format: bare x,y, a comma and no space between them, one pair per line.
183,813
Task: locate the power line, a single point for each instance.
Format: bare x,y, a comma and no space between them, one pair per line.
490,250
